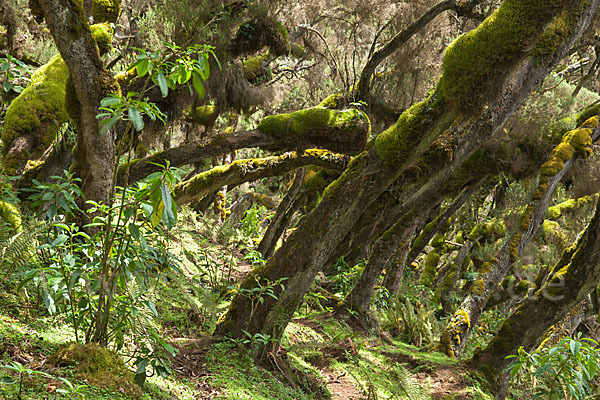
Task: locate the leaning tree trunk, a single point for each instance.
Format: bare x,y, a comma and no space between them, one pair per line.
575,276
575,142
427,145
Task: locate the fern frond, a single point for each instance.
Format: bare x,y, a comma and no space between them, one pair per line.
17,249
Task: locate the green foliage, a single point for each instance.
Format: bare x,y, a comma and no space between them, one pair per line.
13,74
567,370
346,276
250,222
57,199
21,371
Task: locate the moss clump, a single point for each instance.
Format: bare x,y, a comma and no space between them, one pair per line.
401,138
556,211
524,286
253,66
10,214
263,31
575,140
559,29
478,287
430,268
102,35
475,61
315,122
97,365
438,241
335,101
106,10
37,112
206,115
489,230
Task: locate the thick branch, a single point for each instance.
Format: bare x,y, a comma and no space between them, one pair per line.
250,170
337,131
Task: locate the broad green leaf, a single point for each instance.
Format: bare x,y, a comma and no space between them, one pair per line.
151,307
106,124
135,118
161,80
575,346
169,217
157,215
134,230
142,67
48,301
198,86
108,101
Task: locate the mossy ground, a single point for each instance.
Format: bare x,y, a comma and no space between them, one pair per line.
317,348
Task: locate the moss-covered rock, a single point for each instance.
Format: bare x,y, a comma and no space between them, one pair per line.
97,365
106,10
35,115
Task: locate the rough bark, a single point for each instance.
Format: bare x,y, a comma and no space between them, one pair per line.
241,171
575,276
435,134
94,154
457,331
394,268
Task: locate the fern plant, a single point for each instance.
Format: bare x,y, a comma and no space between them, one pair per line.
17,248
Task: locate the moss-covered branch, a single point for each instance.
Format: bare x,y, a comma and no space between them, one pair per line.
337,131
241,171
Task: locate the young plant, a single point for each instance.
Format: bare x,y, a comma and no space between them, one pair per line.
564,371
21,371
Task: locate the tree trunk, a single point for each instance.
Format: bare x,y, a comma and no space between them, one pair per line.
422,150
279,222
573,278
94,155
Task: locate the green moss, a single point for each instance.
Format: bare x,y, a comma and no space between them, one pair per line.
334,101
315,122
297,51
106,10
559,29
489,229
590,111
38,111
575,140
514,247
102,35
430,268
427,229
97,365
355,167
524,286
10,214
478,58
206,115
478,287
400,139
556,211
438,241
508,282
252,65
252,36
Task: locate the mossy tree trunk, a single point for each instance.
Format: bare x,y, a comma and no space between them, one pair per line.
575,276
459,328
94,155
471,102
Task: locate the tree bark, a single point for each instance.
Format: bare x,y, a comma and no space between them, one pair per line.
275,228
347,139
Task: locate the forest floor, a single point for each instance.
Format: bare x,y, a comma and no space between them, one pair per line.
321,356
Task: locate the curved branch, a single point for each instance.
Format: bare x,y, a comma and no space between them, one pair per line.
362,92
253,169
